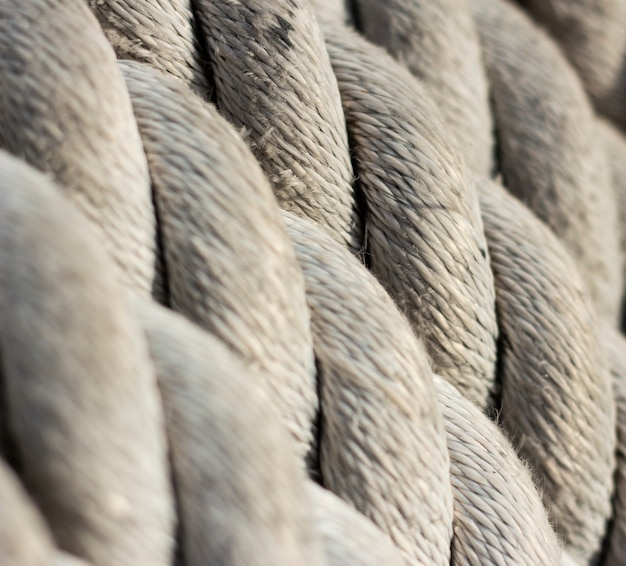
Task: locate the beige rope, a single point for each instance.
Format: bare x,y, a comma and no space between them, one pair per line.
556,394
273,78
498,515
425,237
615,146
66,112
367,152
159,33
349,538
81,394
615,345
438,43
382,440
240,490
592,35
230,265
550,155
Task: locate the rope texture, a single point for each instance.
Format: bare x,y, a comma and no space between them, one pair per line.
388,240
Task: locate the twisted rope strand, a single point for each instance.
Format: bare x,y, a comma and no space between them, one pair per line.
592,35
438,43
550,155
240,489
498,515
231,266
66,111
273,78
159,33
380,428
556,392
425,235
81,394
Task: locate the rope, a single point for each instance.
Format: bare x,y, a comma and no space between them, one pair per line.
547,143
387,243
382,442
556,392
158,33
75,364
199,196
498,516
425,238
66,112
284,94
438,43
223,480
593,38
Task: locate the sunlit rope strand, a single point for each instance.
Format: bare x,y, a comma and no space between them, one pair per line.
425,236
230,265
273,79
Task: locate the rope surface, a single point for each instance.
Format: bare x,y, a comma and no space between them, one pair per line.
329,282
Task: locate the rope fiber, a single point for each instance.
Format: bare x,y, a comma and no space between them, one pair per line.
312,282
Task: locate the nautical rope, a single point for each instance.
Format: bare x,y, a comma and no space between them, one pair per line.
312,282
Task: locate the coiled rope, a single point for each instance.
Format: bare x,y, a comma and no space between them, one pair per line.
387,240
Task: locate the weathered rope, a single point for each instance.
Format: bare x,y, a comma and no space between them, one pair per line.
438,43
273,78
592,35
75,363
382,441
240,490
252,295
369,330
66,111
549,151
498,516
556,391
159,33
424,233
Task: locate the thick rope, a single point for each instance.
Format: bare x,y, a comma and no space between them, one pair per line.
255,506
159,33
438,43
348,537
592,35
498,515
615,346
273,78
382,442
550,155
556,391
240,489
230,265
75,363
614,144
66,111
294,339
425,239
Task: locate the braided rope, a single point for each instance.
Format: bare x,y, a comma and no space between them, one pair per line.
352,303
